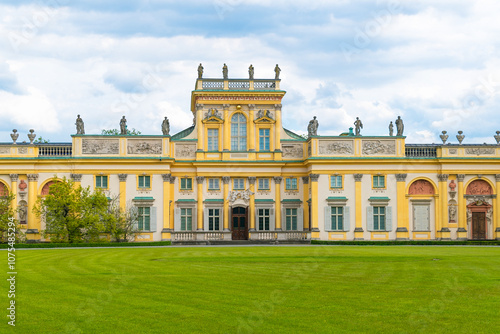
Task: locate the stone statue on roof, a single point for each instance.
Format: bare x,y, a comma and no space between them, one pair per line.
200,71
312,128
123,126
165,127
358,125
224,71
391,129
250,72
400,126
79,126
277,70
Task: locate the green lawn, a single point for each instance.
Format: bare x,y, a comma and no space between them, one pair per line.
314,289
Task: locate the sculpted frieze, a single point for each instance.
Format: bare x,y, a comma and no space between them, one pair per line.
379,147
144,146
100,146
336,147
292,150
185,150
479,150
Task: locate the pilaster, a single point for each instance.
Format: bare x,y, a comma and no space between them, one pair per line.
227,129
251,181
13,186
358,230
277,133
225,182
496,224
251,128
77,179
402,231
462,209
314,206
305,182
172,201
165,233
34,226
277,190
199,206
123,191
443,232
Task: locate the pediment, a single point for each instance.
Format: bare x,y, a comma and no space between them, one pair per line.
213,119
264,119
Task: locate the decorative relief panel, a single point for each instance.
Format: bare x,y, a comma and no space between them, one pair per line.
479,150
22,150
479,187
421,187
4,150
292,150
100,146
185,150
141,146
379,147
329,147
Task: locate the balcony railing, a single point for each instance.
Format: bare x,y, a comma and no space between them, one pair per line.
212,84
55,150
421,151
238,84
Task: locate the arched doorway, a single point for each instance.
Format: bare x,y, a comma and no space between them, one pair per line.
479,195
421,193
239,223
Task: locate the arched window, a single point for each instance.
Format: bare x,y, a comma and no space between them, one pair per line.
238,132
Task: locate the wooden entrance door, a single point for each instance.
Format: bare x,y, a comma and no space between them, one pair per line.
239,224
478,225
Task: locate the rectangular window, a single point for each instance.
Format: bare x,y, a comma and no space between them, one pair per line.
213,219
213,139
379,218
336,181
238,184
378,181
264,218
144,182
101,182
186,219
337,218
264,139
291,183
186,183
213,184
144,223
291,219
263,184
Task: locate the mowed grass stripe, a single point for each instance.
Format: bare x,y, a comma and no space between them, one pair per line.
259,289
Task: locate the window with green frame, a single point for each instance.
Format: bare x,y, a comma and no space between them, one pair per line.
264,139
263,184
186,183
264,219
186,219
213,184
144,181
337,218
101,181
291,219
379,218
336,181
378,181
144,221
291,183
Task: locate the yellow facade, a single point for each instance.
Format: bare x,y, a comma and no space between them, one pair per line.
268,183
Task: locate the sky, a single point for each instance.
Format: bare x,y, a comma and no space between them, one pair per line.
434,63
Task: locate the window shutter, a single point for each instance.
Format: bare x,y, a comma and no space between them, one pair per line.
328,220
283,219
272,218
205,220
388,218
177,219
347,219
300,219
153,221
369,218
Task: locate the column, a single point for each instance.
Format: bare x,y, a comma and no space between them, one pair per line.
199,126
358,230
462,214
314,206
171,202
123,191
305,182
77,179
225,182
251,181
251,128
13,189
496,214
444,232
277,132
402,231
166,207
33,223
227,128
199,180
277,198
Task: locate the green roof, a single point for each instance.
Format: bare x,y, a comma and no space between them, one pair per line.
264,200
294,135
143,198
183,133
186,200
337,198
214,200
291,200
379,198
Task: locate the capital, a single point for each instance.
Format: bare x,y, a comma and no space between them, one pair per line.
226,179
277,107
32,177
314,177
122,177
461,177
278,179
200,179
14,177
305,179
76,177
172,179
166,177
358,177
443,177
251,179
251,106
401,177
199,106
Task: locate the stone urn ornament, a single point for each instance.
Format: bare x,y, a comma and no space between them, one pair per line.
497,137
14,136
31,136
444,137
460,137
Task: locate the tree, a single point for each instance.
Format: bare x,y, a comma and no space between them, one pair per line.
72,214
116,132
119,223
41,140
7,218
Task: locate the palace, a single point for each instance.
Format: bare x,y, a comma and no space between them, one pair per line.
237,174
